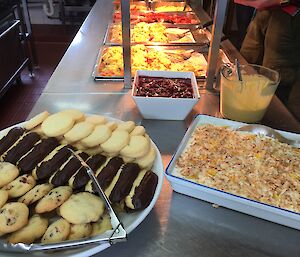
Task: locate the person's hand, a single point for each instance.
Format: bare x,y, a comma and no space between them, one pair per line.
258,4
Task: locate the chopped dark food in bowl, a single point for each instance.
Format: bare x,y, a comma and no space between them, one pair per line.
164,87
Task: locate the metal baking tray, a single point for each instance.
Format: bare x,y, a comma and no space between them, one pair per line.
197,36
221,198
200,49
170,7
139,6
177,18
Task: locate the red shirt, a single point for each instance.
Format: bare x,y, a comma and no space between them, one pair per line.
291,9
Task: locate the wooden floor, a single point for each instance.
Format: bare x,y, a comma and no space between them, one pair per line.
19,100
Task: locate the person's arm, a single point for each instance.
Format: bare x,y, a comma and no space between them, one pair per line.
263,4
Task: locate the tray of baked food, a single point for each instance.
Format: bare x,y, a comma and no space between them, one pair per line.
170,6
158,34
178,18
252,174
48,201
109,63
136,6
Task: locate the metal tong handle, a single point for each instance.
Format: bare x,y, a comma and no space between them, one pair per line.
238,69
118,226
199,26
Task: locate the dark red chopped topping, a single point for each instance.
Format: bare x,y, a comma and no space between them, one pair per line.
164,87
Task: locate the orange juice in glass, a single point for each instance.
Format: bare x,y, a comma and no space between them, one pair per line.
247,100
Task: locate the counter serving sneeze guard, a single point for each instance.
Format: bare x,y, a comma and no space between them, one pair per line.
219,19
126,41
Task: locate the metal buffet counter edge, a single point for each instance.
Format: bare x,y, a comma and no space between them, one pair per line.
178,225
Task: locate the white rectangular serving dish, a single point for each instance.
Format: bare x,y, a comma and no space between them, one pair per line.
221,198
165,108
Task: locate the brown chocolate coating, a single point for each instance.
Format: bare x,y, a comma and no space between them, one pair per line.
23,146
62,176
144,193
82,178
122,188
108,173
11,137
39,152
47,168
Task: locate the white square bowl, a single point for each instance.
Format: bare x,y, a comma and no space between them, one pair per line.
165,108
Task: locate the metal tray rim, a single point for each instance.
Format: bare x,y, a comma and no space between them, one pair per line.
204,31
191,13
98,77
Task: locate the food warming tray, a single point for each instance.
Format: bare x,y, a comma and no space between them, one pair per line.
197,36
134,6
178,18
200,49
156,6
221,198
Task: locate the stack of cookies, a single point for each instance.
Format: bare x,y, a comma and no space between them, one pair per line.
41,179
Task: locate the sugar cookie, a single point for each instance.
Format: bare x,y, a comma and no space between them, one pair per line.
82,208
35,228
127,159
3,197
138,131
36,120
13,216
102,225
79,146
8,172
118,140
138,146
94,150
56,232
147,160
79,231
126,125
112,125
20,186
79,131
56,197
96,119
57,124
39,130
75,114
99,135
35,193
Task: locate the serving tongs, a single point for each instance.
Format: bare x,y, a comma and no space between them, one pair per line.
186,4
199,26
262,130
117,234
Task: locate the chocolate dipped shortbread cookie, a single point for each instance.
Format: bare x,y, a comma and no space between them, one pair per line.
124,182
142,191
81,178
52,162
107,174
21,147
37,154
11,137
68,169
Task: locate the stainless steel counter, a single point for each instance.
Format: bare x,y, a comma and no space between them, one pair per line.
178,225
